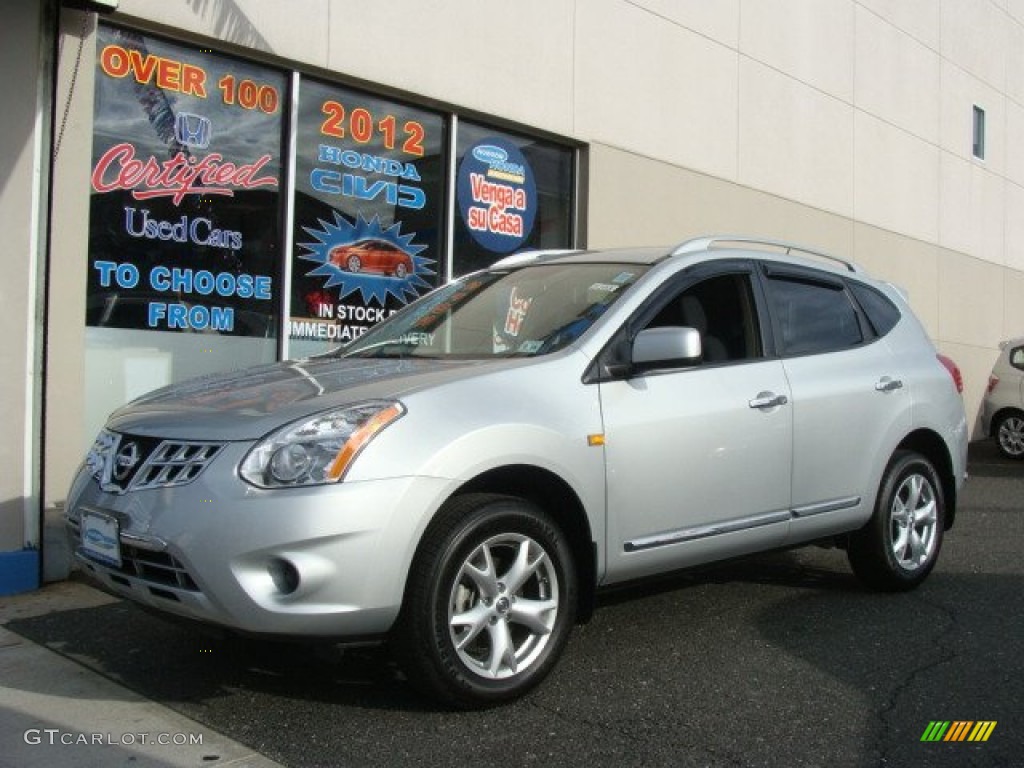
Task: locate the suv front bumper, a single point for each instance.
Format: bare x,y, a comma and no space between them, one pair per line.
322,561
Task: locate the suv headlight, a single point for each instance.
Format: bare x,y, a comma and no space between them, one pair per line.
318,450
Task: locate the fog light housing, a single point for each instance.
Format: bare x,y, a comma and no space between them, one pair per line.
284,575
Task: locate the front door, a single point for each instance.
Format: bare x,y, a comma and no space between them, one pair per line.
698,458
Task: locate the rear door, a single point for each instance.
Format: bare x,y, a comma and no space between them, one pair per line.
851,400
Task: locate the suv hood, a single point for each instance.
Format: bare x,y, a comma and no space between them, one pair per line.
247,404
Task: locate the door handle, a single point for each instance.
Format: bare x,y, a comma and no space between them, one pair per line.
888,384
765,400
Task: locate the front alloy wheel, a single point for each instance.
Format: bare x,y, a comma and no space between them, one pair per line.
489,603
503,606
899,546
1010,436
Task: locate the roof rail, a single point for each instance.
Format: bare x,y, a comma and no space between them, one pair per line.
706,243
523,257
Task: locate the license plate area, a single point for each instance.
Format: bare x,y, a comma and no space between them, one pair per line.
101,538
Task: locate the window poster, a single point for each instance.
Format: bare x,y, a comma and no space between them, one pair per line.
185,225
513,193
369,200
497,193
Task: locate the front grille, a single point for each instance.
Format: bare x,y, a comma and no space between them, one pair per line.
122,463
174,463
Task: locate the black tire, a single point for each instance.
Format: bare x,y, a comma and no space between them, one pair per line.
900,545
1008,430
440,589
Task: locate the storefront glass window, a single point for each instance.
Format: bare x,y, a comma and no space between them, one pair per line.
513,193
184,250
188,264
369,202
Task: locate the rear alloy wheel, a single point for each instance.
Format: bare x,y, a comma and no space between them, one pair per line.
489,604
899,546
1009,432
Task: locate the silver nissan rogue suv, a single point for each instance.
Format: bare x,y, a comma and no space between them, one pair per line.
462,479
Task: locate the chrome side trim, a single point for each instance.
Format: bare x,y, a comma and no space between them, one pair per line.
826,506
702,532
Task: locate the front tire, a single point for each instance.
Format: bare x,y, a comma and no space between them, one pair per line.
1009,433
489,604
899,546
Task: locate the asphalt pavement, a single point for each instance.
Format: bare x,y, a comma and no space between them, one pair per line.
778,660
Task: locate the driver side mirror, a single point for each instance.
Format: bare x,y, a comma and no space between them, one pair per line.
666,347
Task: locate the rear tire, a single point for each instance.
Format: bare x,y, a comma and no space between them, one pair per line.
489,604
900,545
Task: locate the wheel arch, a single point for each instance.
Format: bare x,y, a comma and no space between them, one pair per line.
555,496
931,445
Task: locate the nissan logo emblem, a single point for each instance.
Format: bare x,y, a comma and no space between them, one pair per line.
125,460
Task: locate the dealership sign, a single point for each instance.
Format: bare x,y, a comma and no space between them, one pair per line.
497,195
185,181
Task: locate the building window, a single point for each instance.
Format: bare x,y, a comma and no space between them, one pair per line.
241,212
188,166
368,212
513,193
979,132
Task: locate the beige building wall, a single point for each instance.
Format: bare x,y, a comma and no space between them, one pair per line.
844,124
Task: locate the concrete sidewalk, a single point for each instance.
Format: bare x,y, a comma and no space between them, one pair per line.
55,712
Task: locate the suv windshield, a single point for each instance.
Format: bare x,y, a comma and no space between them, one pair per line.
522,312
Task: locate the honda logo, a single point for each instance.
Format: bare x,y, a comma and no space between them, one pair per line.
192,130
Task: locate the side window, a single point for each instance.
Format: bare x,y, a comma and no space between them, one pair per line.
882,313
813,317
1017,358
722,310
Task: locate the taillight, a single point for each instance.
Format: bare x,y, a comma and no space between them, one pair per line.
950,366
992,381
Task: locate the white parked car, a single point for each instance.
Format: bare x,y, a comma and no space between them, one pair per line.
1002,409
461,480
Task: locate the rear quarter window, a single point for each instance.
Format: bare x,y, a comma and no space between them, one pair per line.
881,312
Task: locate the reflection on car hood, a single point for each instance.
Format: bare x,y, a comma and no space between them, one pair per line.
246,404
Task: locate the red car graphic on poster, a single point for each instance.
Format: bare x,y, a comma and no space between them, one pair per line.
378,256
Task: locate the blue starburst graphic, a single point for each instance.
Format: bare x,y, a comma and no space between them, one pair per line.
348,254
